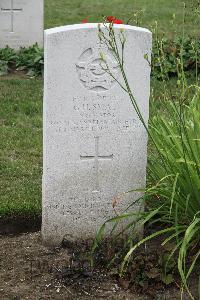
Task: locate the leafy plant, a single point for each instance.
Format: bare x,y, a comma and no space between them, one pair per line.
7,54
169,51
174,168
7,57
3,68
29,60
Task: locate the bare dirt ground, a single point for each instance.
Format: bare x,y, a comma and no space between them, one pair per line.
28,270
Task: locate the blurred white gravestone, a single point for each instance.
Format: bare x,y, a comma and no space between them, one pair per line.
21,23
95,147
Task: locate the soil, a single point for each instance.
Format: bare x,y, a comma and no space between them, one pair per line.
15,74
28,270
10,224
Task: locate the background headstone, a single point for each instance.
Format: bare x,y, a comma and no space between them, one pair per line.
95,147
21,23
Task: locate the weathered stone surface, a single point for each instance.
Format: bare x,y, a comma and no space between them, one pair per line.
21,23
95,147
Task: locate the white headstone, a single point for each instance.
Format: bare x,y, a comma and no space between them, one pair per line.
95,147
21,23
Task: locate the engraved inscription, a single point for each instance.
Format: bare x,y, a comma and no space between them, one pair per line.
96,125
96,159
75,212
94,108
96,114
93,72
11,11
73,205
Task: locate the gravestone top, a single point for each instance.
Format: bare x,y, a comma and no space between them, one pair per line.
95,147
21,23
95,26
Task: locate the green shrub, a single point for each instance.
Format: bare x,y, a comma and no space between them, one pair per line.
167,52
3,68
29,60
7,54
7,57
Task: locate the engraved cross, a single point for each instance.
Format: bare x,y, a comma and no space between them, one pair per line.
11,10
97,158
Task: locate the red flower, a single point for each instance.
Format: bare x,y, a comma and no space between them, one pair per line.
84,21
118,21
114,20
110,19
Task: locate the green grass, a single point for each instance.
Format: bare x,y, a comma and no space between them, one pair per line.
65,12
21,145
